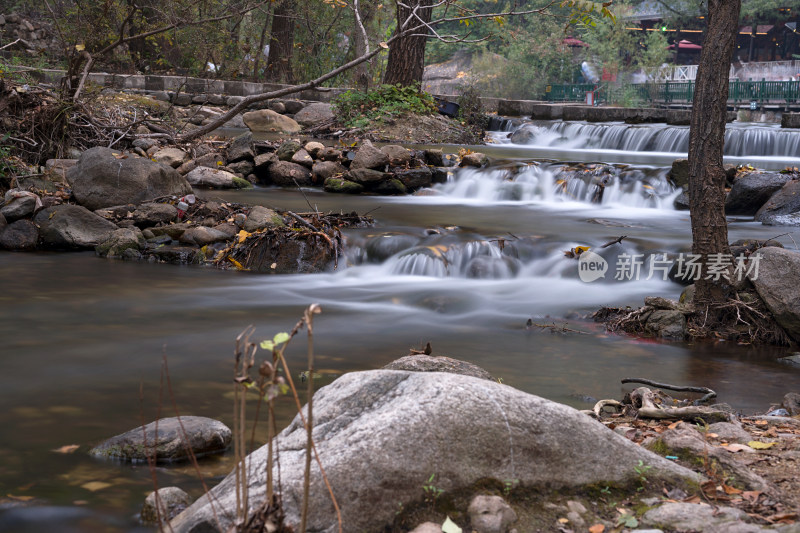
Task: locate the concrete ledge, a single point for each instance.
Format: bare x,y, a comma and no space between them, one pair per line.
790,120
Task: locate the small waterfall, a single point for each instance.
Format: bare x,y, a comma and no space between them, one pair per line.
597,184
740,140
476,259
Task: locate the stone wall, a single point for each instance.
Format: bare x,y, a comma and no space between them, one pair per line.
30,37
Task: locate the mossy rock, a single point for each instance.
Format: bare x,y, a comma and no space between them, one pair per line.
341,185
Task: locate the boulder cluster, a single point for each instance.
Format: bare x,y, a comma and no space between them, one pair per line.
138,206
769,197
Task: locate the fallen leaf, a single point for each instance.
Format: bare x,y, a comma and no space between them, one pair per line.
236,263
597,528
751,495
730,490
450,527
783,517
243,235
563,521
69,448
756,445
761,422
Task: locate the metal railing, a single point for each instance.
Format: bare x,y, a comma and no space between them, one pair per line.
762,92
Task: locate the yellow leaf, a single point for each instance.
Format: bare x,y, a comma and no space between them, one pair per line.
243,235
80,47
236,263
761,445
69,448
580,249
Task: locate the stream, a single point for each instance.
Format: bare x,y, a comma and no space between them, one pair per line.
464,267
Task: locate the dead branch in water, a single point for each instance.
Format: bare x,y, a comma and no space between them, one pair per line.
554,328
709,394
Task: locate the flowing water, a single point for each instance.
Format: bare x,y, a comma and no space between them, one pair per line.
463,266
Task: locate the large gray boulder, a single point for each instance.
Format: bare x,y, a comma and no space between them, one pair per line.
72,226
164,440
172,157
314,114
784,202
103,178
367,156
381,434
19,204
19,235
241,147
261,217
265,120
752,190
212,177
776,283
287,174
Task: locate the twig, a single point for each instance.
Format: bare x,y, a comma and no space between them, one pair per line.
618,240
314,209
289,379
308,315
773,238
371,211
709,394
301,221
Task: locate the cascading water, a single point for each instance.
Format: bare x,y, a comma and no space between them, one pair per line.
536,184
740,140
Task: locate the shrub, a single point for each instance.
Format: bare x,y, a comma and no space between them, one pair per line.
356,109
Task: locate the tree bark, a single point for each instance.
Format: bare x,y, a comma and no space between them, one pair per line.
281,44
407,55
706,140
362,73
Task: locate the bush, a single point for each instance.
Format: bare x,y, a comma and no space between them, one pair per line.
356,109
470,107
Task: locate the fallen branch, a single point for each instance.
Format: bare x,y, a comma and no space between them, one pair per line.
650,409
554,328
709,394
618,240
301,220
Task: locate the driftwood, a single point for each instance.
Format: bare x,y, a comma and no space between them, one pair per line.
647,405
709,394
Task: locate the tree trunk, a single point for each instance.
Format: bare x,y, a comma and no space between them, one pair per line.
407,55
362,73
281,43
706,139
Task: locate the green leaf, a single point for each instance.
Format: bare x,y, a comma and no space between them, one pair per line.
280,338
267,345
450,527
